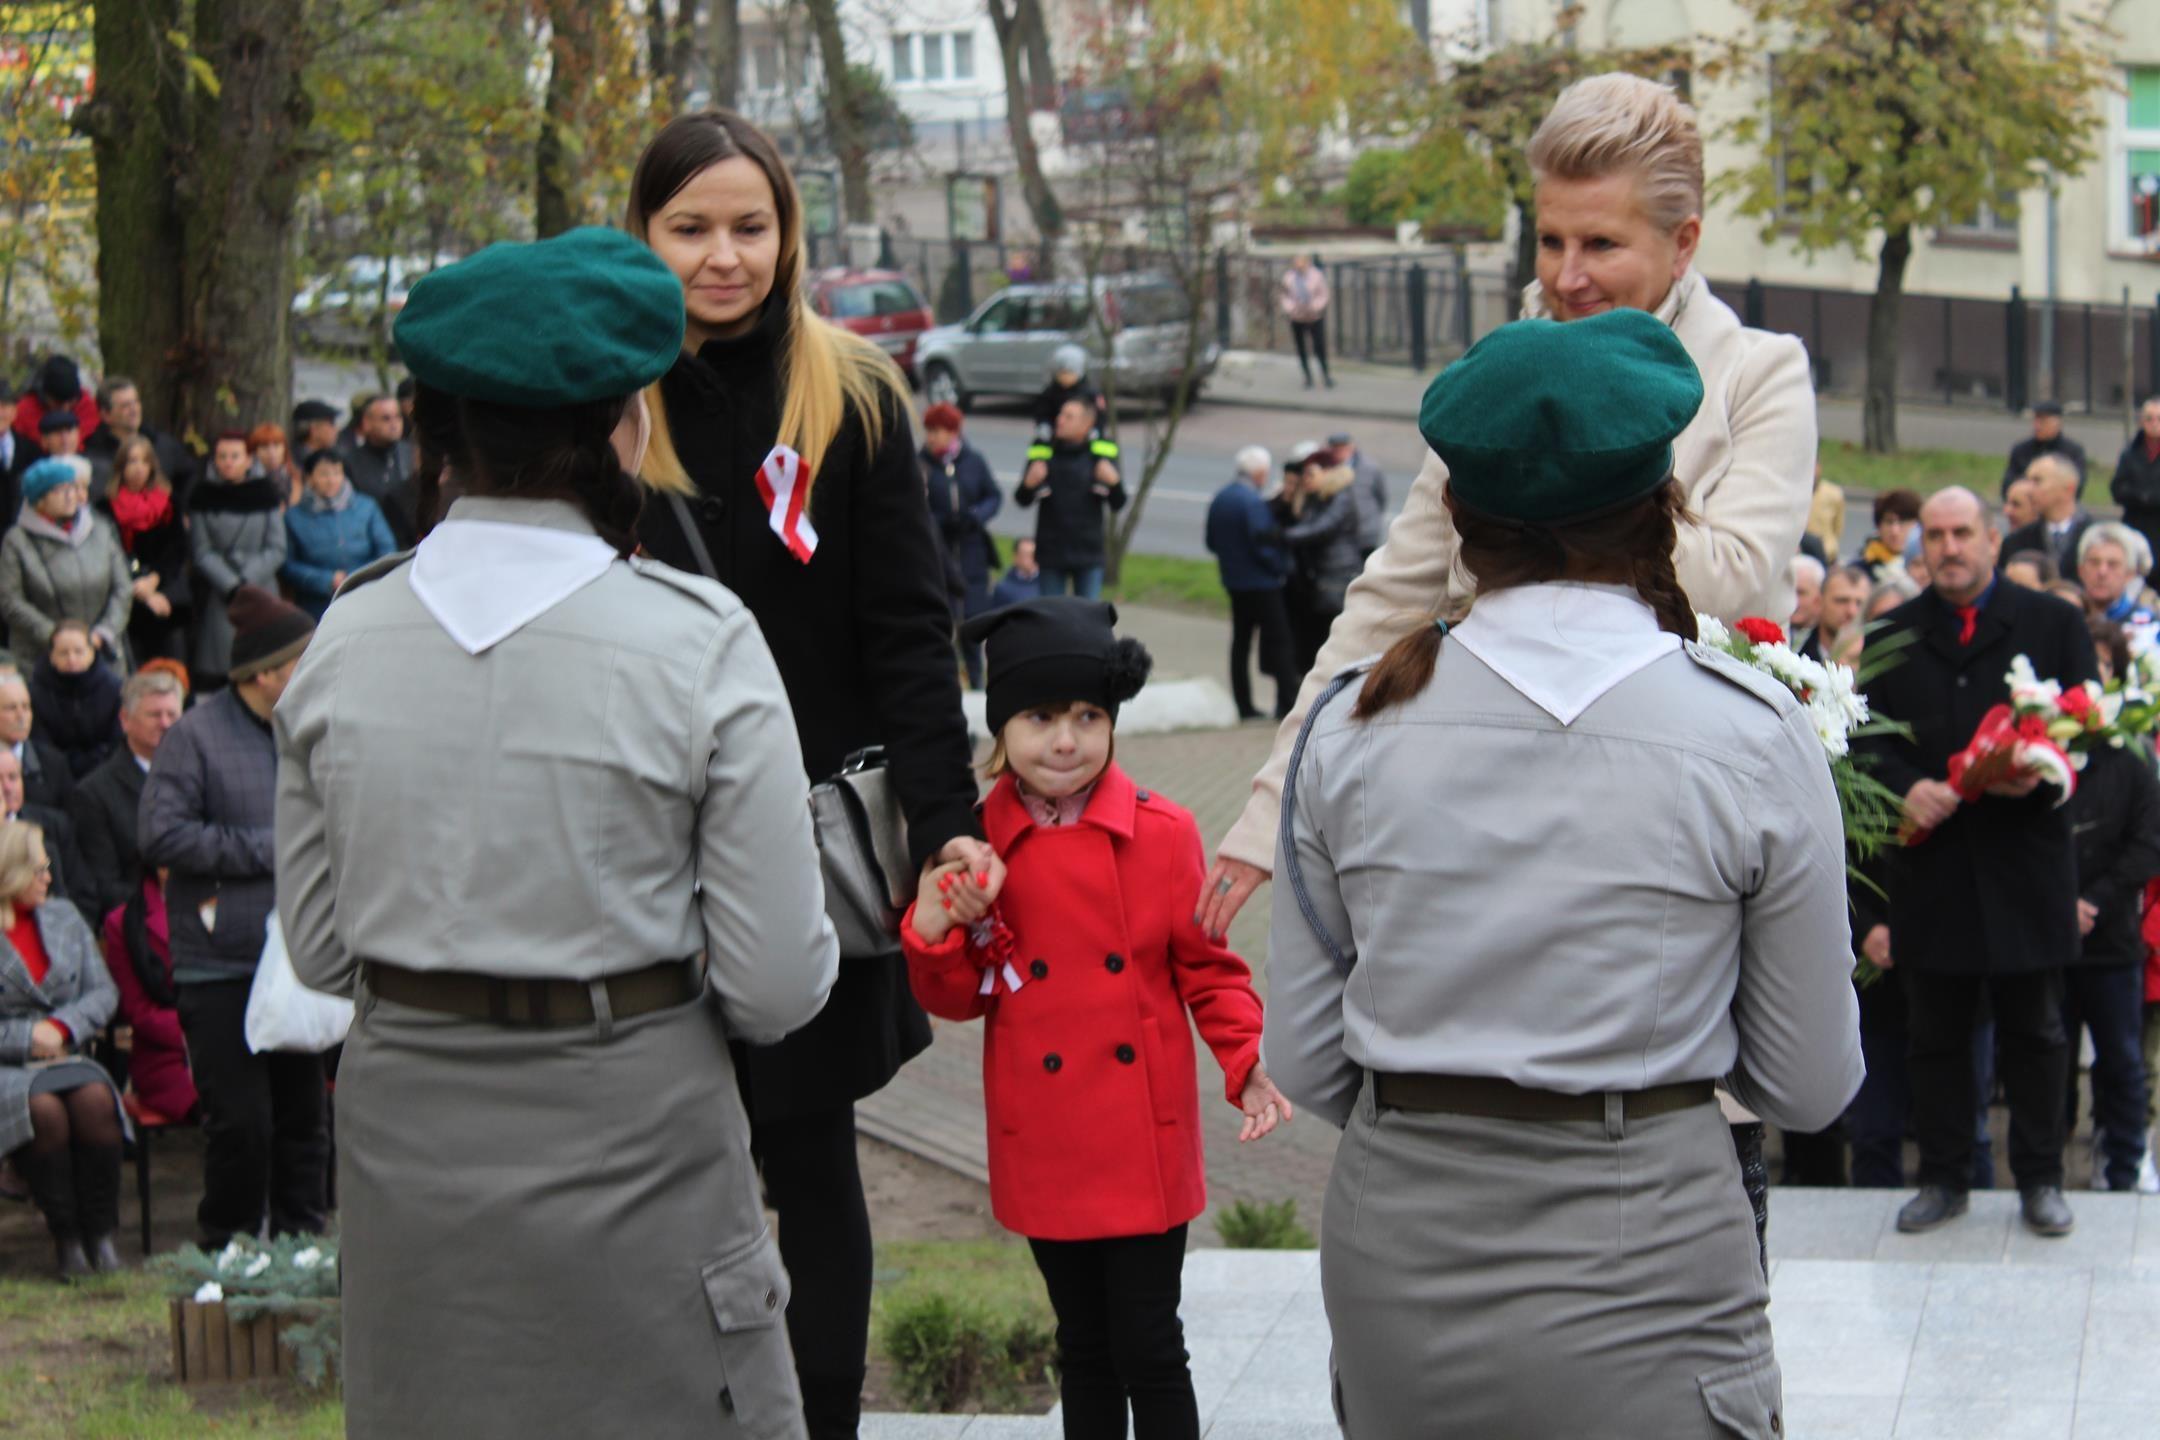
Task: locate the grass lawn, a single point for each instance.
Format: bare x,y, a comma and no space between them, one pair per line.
94,1361
1926,471
1171,583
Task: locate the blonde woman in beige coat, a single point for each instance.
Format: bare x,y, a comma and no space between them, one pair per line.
1619,204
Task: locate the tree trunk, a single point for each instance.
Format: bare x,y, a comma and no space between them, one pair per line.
1042,201
237,212
1042,70
1878,417
843,114
569,91
133,123
723,51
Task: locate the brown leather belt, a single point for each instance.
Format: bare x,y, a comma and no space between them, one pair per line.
1496,1099
538,1004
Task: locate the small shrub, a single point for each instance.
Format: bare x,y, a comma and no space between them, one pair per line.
1252,1225
948,1355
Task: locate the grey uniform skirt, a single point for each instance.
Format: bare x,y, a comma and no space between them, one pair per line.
554,1232
1506,1280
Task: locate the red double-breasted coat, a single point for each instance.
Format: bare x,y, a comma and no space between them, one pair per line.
1089,1073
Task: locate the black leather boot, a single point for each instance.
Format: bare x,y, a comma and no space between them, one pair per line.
52,1187
97,1202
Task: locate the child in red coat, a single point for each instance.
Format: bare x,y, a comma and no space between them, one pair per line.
1083,971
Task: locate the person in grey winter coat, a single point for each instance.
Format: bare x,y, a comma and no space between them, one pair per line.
1371,487
1319,512
61,562
236,537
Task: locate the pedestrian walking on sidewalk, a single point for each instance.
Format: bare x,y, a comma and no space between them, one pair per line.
1088,974
1535,1226
1305,299
1241,533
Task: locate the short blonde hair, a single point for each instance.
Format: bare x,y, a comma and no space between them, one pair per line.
1616,124
22,855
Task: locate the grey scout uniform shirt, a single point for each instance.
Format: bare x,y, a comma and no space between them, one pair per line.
616,783
1651,894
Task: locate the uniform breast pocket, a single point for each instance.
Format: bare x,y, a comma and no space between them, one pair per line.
748,1291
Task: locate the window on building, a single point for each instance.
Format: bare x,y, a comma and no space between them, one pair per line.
963,56
903,59
2137,160
933,59
1995,219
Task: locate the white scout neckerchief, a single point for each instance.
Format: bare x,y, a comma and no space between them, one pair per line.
784,488
1564,644
484,581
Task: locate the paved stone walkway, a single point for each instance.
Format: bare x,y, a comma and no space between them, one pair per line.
1977,1332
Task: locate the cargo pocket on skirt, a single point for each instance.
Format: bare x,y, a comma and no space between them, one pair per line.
748,1291
1747,1399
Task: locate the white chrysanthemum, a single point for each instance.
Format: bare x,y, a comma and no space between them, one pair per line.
231,1255
2028,692
209,1293
256,1266
1712,632
307,1259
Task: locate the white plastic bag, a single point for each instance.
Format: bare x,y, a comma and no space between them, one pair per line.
283,1014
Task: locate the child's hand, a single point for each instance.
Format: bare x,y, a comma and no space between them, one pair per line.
1106,474
947,896
1037,472
1265,1106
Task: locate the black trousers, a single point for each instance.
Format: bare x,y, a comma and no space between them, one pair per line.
1941,1014
266,1120
1262,613
1121,1346
814,1182
1314,334
2109,1000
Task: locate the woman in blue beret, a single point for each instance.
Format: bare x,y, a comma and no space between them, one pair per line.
61,562
833,551
540,810
1549,874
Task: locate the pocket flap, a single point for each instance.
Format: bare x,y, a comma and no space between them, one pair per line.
748,1290
1748,1399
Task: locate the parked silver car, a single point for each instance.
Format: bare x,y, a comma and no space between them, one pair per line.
1004,348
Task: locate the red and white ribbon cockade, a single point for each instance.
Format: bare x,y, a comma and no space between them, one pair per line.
784,488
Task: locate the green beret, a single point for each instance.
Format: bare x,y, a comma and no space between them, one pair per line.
588,315
1544,422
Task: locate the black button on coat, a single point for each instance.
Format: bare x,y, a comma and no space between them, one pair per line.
862,636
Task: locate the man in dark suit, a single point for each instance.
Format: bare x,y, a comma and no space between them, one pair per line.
1987,904
105,803
1805,630
2060,522
2047,438
45,776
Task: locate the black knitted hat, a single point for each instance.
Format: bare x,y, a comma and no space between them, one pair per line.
1053,651
267,632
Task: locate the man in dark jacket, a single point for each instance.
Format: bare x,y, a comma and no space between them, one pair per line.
2047,439
1022,579
2060,522
121,401
963,497
1241,535
1069,538
109,798
2136,486
207,815
46,778
378,467
1986,906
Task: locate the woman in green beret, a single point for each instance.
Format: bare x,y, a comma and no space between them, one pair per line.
784,461
1549,874
541,812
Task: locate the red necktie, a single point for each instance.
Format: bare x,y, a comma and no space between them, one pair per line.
1968,617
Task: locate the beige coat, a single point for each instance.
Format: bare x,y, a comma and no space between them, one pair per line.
1747,463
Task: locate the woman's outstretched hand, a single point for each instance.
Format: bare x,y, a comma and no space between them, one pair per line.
1228,886
1265,1106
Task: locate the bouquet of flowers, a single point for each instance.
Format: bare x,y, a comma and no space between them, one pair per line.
2136,694
2045,731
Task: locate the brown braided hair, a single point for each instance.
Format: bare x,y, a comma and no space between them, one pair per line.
1632,545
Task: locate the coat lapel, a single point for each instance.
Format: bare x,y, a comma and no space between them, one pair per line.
15,976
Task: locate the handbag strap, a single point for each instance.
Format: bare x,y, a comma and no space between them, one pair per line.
691,533
1293,872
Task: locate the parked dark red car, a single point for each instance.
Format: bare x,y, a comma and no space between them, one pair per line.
882,306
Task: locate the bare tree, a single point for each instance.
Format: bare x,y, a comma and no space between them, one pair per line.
1015,50
844,126
723,50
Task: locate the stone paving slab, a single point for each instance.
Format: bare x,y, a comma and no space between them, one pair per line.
2006,1341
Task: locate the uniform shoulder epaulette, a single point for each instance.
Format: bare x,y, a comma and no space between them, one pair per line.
367,574
722,600
1761,686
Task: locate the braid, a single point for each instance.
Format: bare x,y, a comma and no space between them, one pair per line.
612,500
1403,672
1656,580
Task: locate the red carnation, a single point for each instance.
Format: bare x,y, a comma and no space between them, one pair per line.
2077,703
1760,631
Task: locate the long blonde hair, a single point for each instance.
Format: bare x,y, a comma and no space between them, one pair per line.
22,855
825,370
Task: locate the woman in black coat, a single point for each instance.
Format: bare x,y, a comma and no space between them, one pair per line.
144,509
2115,817
853,606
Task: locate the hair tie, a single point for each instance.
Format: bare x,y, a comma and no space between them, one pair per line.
1442,627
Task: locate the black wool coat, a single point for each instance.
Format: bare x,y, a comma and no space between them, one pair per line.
104,808
1994,890
1071,527
78,715
2115,819
862,635
2136,487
